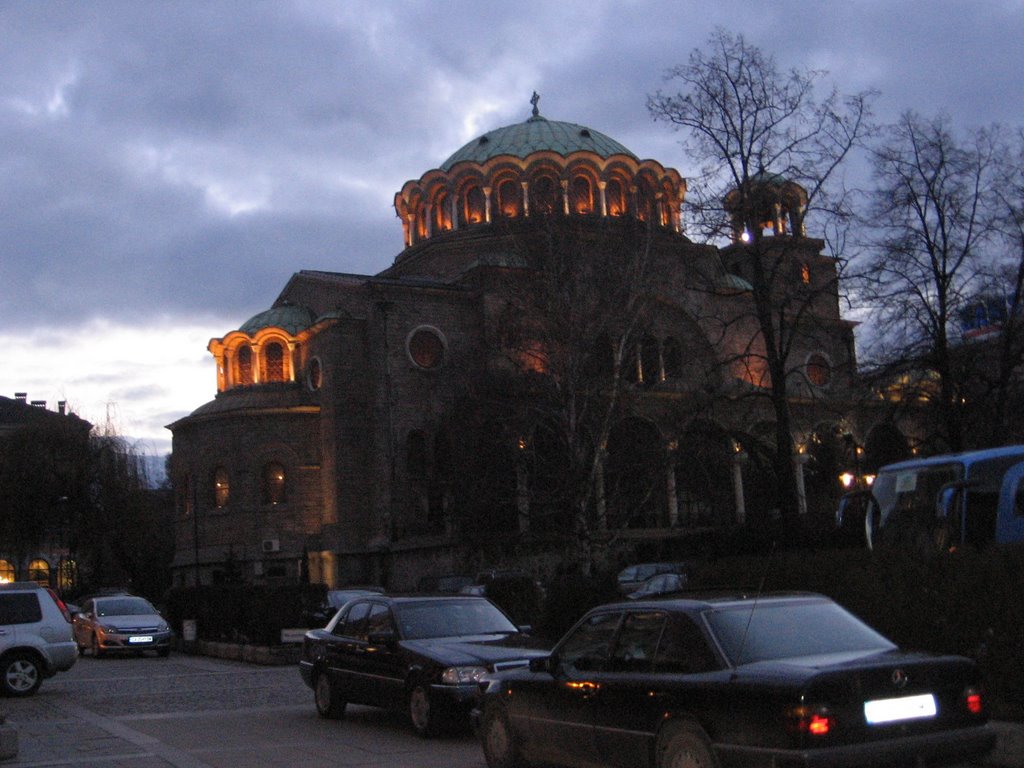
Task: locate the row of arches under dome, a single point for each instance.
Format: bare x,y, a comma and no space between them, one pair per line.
242,362
442,202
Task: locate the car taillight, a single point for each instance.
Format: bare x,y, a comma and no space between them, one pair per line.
973,701
813,721
61,605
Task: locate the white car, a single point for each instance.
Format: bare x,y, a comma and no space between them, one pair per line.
35,637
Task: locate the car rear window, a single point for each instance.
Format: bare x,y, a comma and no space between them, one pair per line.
764,631
20,608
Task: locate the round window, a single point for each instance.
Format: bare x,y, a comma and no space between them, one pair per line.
819,370
315,374
426,348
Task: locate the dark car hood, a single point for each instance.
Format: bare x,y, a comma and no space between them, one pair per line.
477,649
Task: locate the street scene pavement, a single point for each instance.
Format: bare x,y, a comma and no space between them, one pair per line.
198,712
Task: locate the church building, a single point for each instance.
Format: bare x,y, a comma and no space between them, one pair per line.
379,428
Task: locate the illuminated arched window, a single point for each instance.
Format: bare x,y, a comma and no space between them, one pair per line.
7,573
543,196
39,571
67,574
615,198
473,205
581,196
274,356
221,487
644,203
819,370
510,203
650,364
245,364
442,213
274,488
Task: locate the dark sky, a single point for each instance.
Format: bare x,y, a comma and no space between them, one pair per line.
166,166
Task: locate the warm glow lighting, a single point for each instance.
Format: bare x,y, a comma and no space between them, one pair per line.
745,237
974,705
846,479
4,580
869,479
819,725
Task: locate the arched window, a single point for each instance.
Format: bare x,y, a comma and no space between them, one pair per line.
543,196
615,198
581,196
672,358
510,203
245,364
39,571
442,213
644,203
274,488
473,205
221,488
650,364
819,370
7,573
67,574
273,354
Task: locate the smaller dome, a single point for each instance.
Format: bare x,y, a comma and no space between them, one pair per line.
288,317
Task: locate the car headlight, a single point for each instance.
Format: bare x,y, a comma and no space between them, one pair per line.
461,675
162,627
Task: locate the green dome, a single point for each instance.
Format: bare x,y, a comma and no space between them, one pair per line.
288,317
538,134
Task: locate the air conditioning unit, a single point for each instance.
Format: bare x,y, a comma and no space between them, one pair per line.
271,545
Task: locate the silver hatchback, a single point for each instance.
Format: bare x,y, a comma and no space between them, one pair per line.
123,623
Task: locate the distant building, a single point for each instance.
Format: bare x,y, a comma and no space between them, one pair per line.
328,448
39,449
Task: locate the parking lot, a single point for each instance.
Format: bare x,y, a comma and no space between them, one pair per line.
194,712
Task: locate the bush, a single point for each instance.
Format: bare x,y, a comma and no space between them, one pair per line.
244,613
569,597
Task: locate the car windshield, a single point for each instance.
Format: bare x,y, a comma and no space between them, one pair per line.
761,632
451,618
124,606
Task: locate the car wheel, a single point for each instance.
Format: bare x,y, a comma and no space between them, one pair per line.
96,650
421,712
22,675
329,702
685,745
501,750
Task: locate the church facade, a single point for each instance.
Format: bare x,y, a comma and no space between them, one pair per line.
371,428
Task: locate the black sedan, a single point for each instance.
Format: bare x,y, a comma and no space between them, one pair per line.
781,680
423,654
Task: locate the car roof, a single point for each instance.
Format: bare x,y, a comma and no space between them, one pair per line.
19,586
704,600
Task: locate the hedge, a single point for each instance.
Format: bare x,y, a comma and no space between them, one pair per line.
244,613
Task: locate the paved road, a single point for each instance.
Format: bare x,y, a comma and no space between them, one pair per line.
196,712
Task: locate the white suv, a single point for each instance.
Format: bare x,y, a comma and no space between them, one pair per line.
35,637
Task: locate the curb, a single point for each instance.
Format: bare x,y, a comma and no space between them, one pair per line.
8,740
1009,749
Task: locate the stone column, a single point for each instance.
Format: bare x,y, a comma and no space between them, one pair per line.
670,485
799,460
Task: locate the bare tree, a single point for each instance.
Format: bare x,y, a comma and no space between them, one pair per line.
754,129
941,219
567,317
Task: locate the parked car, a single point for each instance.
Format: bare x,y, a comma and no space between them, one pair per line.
790,680
633,577
336,598
121,623
662,584
421,654
35,637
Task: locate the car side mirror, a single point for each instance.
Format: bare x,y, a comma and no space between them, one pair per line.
525,629
386,638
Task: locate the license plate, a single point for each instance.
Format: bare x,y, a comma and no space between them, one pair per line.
904,708
141,639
